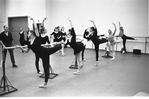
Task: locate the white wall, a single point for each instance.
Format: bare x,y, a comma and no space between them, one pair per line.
2,14
133,14
33,8
148,17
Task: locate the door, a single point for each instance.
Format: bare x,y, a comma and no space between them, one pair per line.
15,23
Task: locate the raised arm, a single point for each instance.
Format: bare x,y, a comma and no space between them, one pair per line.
35,26
70,22
42,24
93,24
119,24
115,29
72,31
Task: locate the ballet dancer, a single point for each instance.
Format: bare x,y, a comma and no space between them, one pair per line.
63,37
57,37
76,46
42,52
96,40
44,40
124,37
22,39
86,38
111,41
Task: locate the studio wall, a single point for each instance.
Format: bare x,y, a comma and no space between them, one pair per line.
133,15
2,14
33,8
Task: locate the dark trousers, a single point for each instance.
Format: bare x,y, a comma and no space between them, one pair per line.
37,63
46,65
45,59
4,53
96,44
124,37
83,52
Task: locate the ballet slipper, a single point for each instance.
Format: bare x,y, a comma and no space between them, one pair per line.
43,85
76,73
112,59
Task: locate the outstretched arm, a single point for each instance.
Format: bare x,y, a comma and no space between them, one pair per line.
35,26
119,24
93,24
4,47
23,48
70,22
42,24
72,31
115,29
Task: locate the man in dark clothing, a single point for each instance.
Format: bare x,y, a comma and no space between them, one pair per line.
7,39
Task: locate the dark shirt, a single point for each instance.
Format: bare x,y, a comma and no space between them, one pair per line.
36,46
7,40
94,37
76,46
86,33
44,40
21,36
57,36
72,43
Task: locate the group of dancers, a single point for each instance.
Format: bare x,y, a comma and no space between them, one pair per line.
37,43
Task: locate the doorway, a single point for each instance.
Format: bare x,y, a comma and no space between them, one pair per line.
15,23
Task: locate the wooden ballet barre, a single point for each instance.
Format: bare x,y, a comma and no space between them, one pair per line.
146,41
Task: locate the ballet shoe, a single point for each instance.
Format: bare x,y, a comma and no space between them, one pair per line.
63,54
96,64
84,59
40,72
15,66
76,73
112,59
123,52
43,86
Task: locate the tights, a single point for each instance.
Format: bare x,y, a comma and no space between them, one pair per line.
44,54
124,37
96,44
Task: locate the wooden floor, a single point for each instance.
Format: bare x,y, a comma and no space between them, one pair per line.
126,76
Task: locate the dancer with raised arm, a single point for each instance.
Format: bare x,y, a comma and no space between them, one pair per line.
57,37
44,40
95,39
42,52
76,46
111,41
124,37
86,39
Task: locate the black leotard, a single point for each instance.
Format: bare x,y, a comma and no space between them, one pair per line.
44,40
96,42
76,46
42,51
57,36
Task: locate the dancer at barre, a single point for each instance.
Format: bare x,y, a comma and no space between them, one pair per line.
124,37
78,47
96,40
86,39
44,40
111,41
42,52
57,36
